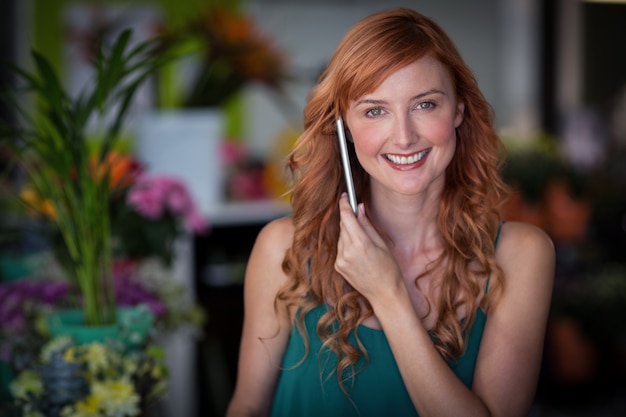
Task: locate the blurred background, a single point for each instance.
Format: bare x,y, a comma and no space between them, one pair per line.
554,72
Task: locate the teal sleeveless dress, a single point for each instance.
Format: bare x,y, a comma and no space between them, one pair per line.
309,388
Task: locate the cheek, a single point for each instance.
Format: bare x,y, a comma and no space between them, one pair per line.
365,142
442,134
446,142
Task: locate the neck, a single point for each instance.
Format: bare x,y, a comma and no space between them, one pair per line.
410,222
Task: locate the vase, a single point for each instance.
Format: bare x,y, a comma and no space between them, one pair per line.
185,143
132,327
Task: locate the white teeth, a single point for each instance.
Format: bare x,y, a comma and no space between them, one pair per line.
406,160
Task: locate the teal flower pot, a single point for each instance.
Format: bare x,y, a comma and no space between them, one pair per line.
132,327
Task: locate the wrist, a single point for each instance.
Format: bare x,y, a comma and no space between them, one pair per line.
393,298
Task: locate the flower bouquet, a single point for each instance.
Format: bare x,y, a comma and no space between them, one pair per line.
150,214
96,379
23,304
230,52
27,302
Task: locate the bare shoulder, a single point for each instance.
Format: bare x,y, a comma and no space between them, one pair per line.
265,277
265,262
522,242
527,257
265,330
275,238
279,230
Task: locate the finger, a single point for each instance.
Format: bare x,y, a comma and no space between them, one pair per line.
367,226
344,204
348,221
344,234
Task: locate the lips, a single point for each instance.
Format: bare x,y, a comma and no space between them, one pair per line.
407,159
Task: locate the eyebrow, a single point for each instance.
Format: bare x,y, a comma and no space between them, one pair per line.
417,97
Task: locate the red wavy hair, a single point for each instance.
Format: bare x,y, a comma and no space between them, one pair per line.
373,49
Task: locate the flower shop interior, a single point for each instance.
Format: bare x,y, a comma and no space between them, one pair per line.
196,170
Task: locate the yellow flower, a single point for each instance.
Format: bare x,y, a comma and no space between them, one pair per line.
26,384
275,179
98,357
56,345
157,372
90,407
118,397
40,205
109,374
130,365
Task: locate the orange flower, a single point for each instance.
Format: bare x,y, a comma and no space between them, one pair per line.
40,205
233,54
227,26
123,169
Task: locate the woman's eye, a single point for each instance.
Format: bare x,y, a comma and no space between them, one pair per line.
427,105
374,112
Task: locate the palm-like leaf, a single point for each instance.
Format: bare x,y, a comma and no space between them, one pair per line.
53,145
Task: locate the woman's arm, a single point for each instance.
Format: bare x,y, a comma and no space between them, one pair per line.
509,360
265,334
507,368
510,354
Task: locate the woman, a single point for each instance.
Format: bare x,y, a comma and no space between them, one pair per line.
423,304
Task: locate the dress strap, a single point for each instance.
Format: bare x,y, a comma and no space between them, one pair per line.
495,245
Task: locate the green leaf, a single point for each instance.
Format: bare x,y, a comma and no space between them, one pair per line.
54,147
51,86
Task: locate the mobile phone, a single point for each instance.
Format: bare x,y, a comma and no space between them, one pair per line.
345,160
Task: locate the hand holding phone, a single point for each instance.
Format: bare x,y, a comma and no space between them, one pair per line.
347,171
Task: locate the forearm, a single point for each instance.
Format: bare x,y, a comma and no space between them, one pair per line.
238,408
434,389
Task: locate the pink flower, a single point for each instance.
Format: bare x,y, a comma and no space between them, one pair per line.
232,152
178,199
195,221
145,199
151,196
248,185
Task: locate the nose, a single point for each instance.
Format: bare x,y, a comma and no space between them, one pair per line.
405,132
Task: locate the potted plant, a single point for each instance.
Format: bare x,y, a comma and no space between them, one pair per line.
151,214
55,145
221,51
229,52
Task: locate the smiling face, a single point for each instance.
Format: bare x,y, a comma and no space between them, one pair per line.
404,131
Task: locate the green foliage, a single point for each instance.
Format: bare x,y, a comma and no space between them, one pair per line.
140,238
53,145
